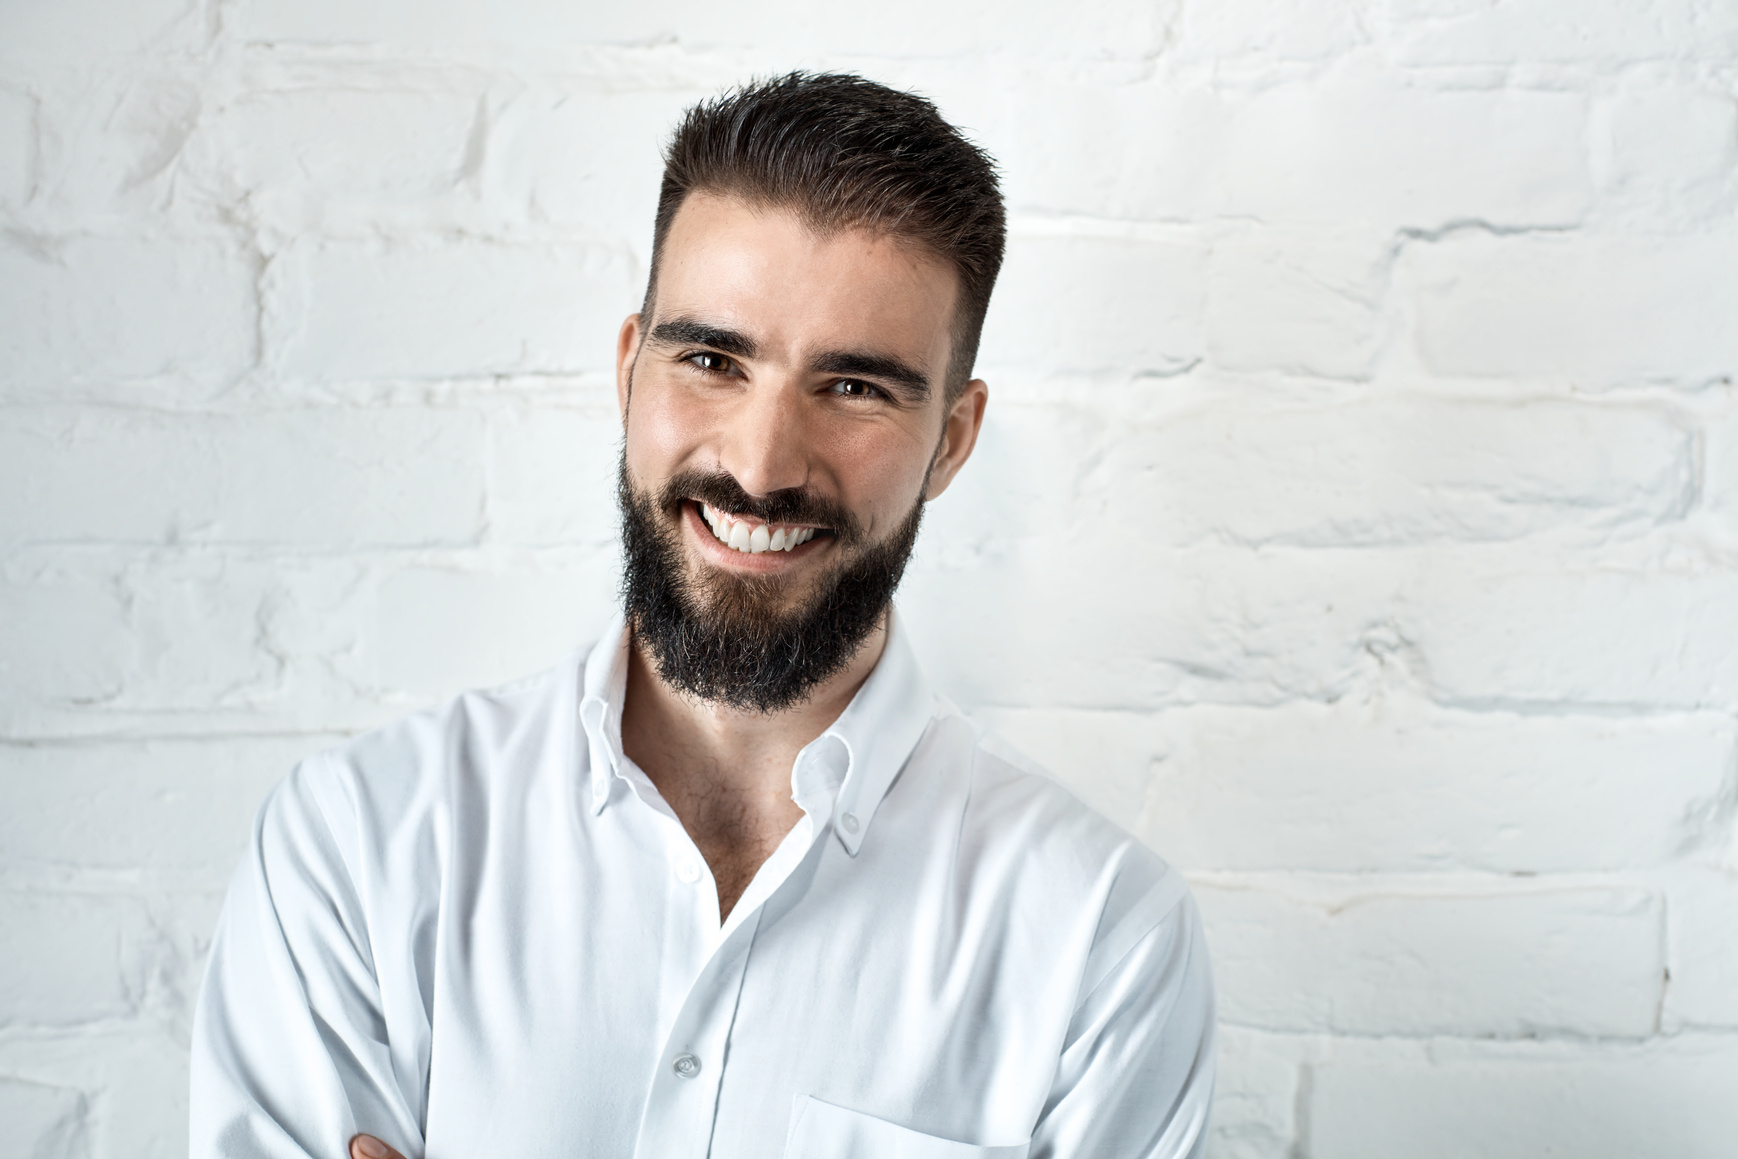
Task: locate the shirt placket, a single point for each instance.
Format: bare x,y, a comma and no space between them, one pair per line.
683,1099
682,1103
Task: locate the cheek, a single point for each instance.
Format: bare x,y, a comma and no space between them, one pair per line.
660,433
885,474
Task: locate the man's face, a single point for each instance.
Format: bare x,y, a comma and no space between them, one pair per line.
786,418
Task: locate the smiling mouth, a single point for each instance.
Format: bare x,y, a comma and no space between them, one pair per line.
750,537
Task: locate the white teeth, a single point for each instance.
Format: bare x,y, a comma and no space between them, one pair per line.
755,539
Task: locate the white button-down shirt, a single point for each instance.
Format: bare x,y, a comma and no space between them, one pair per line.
481,932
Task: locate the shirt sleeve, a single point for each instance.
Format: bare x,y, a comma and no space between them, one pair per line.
290,1051
1136,1074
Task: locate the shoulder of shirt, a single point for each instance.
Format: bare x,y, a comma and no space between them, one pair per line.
398,773
1060,837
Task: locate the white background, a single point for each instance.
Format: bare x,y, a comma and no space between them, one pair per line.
1356,518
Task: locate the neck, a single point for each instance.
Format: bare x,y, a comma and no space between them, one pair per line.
726,772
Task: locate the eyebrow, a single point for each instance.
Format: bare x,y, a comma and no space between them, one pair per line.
693,332
854,363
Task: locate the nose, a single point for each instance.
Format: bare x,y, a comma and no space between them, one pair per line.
765,443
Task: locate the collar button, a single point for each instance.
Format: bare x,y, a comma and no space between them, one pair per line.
850,822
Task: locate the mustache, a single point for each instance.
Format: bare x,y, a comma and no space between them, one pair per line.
721,491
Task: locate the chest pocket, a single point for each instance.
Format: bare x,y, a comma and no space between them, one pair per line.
822,1131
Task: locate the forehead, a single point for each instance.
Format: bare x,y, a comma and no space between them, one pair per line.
764,271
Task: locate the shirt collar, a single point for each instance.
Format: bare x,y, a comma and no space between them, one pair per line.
861,753
879,728
603,688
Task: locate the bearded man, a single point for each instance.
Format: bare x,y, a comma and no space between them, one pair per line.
734,881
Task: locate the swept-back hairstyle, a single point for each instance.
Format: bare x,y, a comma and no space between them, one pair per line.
843,152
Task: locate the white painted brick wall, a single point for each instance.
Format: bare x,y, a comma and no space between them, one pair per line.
1356,518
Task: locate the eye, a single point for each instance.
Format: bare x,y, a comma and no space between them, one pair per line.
856,388
709,361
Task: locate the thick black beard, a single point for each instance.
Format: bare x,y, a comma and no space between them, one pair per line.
740,641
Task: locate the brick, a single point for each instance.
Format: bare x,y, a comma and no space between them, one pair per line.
441,630
1392,784
160,805
1396,784
1719,497
394,477
1120,30
1297,300
62,641
1149,625
413,25
79,31
316,478
17,148
1282,30
146,1095
1702,907
43,1120
588,158
1591,311
320,621
453,309
1666,1099
195,629
1398,155
1541,630
1671,153
1380,153
1030,472
1050,314
112,315
96,633
132,1076
782,28
1167,160
90,958
343,158
1399,471
1152,625
226,641
1504,963
127,168
552,473
1255,1091
1459,32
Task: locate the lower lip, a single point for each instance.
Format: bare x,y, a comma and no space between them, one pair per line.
765,561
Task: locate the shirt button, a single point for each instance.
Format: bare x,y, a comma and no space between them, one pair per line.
687,872
849,821
686,1066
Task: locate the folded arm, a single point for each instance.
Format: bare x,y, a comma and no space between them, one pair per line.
291,1056
1136,1074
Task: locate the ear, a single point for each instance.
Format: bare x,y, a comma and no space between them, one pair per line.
627,349
959,434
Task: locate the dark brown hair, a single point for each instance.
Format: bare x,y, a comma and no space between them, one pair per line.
843,152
